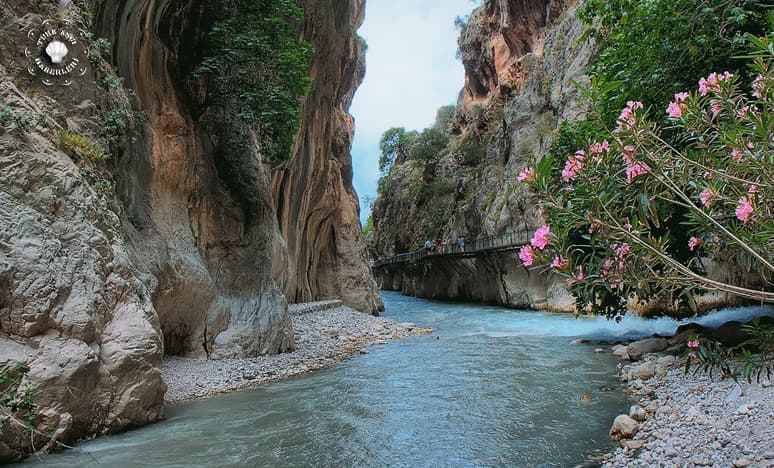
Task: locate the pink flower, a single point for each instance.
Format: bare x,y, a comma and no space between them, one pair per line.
712,82
621,250
573,165
598,147
752,188
751,108
715,107
737,156
526,174
604,270
558,262
692,355
693,344
693,242
576,277
540,239
703,86
633,168
750,145
706,196
526,255
628,117
757,86
674,110
744,209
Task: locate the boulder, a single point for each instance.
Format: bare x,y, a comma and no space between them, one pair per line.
640,348
637,413
620,351
643,371
624,427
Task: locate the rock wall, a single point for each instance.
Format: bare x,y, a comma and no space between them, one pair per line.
520,57
107,265
317,207
494,278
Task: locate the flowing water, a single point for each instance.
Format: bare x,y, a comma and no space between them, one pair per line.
499,387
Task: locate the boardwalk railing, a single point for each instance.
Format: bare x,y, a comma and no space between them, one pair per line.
505,241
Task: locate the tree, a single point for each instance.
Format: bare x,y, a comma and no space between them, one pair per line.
429,144
395,146
256,69
632,215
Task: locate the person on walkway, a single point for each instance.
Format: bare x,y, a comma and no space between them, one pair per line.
428,246
461,243
439,244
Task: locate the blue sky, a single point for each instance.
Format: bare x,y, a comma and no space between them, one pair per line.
410,72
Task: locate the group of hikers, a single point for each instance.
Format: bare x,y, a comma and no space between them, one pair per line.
442,246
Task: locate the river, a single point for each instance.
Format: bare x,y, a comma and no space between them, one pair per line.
498,387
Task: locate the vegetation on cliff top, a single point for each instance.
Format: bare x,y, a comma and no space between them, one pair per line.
254,68
257,68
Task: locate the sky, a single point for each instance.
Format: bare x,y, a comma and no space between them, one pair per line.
411,71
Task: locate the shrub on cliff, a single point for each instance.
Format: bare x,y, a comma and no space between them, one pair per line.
256,69
632,215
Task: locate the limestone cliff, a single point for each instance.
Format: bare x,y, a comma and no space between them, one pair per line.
317,207
519,57
120,239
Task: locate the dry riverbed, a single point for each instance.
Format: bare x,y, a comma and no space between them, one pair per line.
692,420
325,333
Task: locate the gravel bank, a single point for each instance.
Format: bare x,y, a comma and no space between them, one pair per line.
325,333
690,420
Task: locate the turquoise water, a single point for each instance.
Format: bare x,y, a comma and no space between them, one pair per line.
500,387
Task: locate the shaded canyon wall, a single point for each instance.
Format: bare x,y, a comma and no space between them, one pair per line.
106,266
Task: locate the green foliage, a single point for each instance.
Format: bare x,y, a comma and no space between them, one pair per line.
444,117
20,405
112,81
433,190
100,49
637,216
752,359
80,147
255,67
361,42
115,126
429,144
656,48
472,151
395,146
368,229
18,120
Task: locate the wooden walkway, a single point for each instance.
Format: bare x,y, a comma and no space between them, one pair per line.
475,247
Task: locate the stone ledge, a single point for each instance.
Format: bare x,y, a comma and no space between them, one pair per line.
310,307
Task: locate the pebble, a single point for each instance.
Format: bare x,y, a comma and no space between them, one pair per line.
325,333
690,421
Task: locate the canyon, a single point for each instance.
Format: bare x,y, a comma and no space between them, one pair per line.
105,267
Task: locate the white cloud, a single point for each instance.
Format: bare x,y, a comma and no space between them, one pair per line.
411,72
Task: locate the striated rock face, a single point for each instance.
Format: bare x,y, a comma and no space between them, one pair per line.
497,41
107,265
73,305
317,207
207,264
520,58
